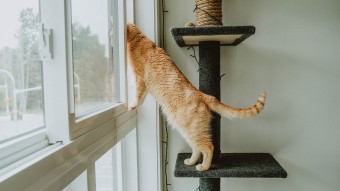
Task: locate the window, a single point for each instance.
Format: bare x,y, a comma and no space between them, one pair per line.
98,62
112,171
92,55
106,171
79,98
21,98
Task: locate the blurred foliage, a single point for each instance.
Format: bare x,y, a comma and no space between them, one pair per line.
90,63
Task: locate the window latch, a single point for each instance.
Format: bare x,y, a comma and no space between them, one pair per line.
45,43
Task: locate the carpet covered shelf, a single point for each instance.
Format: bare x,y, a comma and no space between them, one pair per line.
226,35
234,165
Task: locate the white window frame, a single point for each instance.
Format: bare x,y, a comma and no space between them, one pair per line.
63,111
14,152
76,142
82,124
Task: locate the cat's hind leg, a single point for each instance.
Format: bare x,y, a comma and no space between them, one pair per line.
200,141
207,158
196,132
194,157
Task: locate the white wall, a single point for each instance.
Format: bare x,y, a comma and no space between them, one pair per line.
294,56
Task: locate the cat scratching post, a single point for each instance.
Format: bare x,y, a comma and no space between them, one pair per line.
224,165
209,83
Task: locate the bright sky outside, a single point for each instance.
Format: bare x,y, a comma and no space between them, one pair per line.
9,14
93,14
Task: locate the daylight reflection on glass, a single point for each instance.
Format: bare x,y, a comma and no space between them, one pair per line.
21,98
93,72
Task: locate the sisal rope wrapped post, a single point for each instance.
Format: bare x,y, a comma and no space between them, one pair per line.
208,12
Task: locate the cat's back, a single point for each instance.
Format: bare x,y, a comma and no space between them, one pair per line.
162,68
165,80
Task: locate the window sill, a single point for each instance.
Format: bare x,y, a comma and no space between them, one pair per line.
56,168
13,152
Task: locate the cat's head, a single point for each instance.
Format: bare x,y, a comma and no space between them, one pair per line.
132,31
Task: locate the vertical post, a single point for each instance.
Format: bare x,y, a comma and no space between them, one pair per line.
209,184
6,96
209,83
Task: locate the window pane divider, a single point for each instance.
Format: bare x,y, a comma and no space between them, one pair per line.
91,177
121,23
120,167
57,72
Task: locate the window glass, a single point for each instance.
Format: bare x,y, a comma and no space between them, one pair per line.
106,171
117,169
93,70
21,98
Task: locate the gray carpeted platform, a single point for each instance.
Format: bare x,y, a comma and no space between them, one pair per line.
226,35
241,165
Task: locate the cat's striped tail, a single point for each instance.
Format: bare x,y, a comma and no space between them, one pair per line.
232,112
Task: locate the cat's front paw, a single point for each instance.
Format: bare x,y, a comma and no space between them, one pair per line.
133,106
188,162
200,167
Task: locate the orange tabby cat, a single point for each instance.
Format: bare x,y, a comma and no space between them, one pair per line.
185,106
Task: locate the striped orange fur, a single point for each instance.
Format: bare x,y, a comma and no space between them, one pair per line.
187,109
